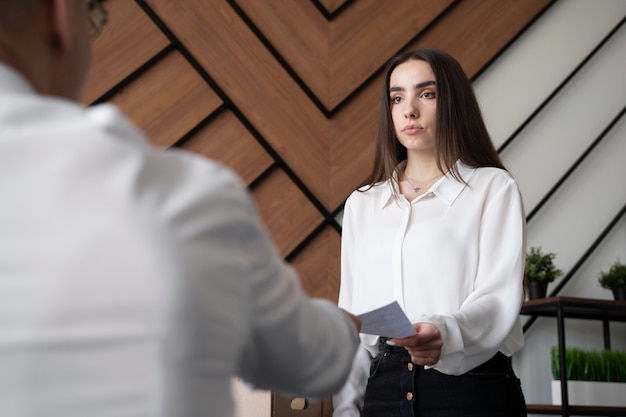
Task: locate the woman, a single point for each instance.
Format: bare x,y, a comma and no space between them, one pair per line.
440,228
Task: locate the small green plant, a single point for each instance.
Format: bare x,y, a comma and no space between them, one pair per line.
540,266
614,278
590,365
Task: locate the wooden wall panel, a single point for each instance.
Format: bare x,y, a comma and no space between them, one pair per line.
255,82
168,100
286,93
332,5
277,197
129,40
225,139
333,58
367,34
299,32
352,146
313,264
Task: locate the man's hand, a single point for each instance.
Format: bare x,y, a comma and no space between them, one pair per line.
424,347
355,319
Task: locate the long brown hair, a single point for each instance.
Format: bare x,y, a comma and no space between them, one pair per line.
461,131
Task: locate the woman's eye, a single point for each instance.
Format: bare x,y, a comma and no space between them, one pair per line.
428,94
396,99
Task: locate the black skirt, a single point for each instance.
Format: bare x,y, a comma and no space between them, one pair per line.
398,388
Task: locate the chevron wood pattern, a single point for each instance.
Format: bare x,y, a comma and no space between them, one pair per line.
285,92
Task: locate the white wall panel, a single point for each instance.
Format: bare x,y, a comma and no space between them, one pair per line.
510,90
591,197
556,138
516,84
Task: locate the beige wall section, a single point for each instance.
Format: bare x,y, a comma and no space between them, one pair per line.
283,94
250,403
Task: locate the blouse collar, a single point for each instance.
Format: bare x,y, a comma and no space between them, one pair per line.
446,189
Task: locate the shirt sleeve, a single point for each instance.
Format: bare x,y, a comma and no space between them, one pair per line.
490,315
348,402
243,310
297,345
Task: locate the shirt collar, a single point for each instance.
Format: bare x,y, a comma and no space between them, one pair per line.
446,189
12,80
450,188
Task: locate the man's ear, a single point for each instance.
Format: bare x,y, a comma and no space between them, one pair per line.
60,16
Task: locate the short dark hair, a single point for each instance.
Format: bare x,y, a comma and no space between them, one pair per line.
14,15
461,131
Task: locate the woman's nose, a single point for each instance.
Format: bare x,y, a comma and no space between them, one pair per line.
410,112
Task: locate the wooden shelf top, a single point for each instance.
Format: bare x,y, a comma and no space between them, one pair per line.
576,410
574,307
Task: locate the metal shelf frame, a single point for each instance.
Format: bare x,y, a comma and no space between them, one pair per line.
575,308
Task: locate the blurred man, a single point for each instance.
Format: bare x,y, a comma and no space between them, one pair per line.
133,282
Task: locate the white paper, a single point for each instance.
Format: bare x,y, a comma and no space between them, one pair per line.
387,321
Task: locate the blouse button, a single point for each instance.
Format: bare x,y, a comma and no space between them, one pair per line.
410,366
409,396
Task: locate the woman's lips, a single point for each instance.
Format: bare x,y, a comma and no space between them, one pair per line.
411,130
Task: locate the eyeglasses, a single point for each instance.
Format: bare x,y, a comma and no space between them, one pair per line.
97,16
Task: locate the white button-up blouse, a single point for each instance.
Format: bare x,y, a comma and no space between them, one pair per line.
453,257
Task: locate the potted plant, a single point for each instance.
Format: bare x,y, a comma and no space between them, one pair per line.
540,271
615,280
593,377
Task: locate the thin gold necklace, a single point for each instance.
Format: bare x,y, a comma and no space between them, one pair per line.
417,189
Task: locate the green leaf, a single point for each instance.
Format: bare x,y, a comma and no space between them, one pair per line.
590,365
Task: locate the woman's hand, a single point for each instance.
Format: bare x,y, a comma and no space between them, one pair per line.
424,347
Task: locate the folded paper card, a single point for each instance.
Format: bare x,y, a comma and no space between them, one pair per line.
387,321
